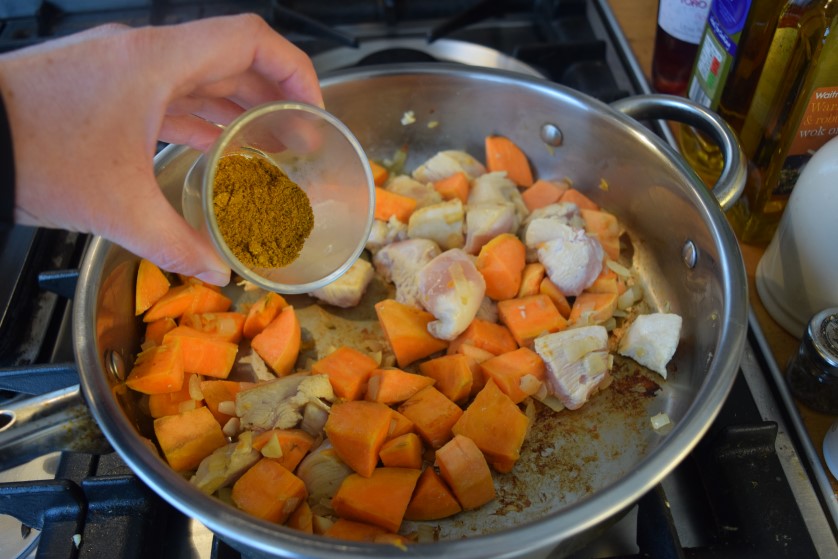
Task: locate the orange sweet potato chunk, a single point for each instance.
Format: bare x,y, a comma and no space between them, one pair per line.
496,425
463,467
357,430
432,415
406,329
380,499
158,369
348,370
152,284
432,499
279,343
188,437
269,491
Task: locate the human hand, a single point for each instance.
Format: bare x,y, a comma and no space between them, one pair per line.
86,112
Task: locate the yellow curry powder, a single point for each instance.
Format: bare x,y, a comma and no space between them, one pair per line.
263,216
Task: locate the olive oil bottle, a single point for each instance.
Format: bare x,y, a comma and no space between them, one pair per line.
731,55
794,111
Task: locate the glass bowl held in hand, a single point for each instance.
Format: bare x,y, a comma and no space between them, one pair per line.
314,151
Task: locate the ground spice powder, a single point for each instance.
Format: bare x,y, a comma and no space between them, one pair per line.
263,216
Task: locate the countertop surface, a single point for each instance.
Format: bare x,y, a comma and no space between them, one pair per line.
637,19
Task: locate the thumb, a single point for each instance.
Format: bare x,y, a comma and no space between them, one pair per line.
154,230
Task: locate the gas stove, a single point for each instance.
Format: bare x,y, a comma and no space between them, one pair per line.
753,487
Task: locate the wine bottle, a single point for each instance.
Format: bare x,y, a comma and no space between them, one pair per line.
794,111
680,23
731,54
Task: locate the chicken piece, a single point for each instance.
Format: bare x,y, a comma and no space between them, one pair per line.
487,221
446,163
383,233
573,260
400,263
651,340
251,368
562,212
496,188
226,464
442,223
424,193
279,403
577,362
314,419
347,290
488,310
451,288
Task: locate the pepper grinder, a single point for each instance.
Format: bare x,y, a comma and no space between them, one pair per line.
813,373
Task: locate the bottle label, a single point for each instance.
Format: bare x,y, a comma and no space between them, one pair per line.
717,50
683,19
817,126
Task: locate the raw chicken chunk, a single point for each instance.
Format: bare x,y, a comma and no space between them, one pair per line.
451,288
442,223
424,193
573,260
562,212
347,290
385,232
487,221
446,163
279,403
496,188
651,340
400,263
577,363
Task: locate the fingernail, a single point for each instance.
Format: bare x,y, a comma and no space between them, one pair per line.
215,277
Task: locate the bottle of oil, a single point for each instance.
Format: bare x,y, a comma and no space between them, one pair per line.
794,111
676,41
731,55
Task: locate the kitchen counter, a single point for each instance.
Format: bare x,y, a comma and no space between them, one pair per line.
637,19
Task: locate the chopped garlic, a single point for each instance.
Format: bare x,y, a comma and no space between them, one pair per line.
660,420
433,124
77,540
227,407
408,118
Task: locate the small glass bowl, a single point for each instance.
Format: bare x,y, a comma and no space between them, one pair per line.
318,153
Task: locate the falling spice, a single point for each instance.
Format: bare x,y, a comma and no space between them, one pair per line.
263,216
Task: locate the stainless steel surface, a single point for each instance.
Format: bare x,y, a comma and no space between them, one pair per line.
731,182
599,144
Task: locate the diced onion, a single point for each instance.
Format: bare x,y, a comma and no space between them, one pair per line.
626,300
195,388
660,420
227,407
618,269
231,428
187,405
530,384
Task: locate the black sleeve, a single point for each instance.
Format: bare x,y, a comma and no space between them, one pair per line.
7,170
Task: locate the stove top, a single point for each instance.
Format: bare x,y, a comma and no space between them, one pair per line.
750,488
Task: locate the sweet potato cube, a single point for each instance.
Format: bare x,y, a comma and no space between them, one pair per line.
158,369
592,308
406,329
530,317
202,353
188,437
393,386
380,499
291,445
302,519
432,415
217,391
432,499
152,284
494,338
172,403
357,430
224,326
279,343
262,313
453,375
269,491
510,372
404,451
348,370
464,468
154,331
496,425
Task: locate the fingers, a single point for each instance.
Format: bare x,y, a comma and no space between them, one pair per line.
266,66
154,230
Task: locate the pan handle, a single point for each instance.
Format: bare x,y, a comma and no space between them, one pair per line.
670,107
35,426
